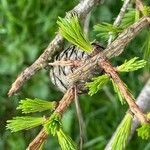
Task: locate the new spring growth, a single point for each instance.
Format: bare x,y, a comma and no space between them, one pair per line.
35,105
98,82
118,92
65,141
24,123
122,133
70,29
28,122
104,28
53,124
146,11
131,65
144,130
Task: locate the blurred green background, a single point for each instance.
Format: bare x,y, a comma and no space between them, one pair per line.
26,28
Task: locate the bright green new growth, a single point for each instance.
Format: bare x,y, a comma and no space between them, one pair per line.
104,29
146,49
131,65
146,11
53,124
70,29
117,90
129,18
144,130
121,135
24,123
97,84
65,141
35,105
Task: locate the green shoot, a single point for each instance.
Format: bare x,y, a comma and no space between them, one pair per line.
128,19
146,49
144,130
25,122
71,30
121,135
146,11
97,84
131,65
36,105
137,15
117,90
53,124
65,141
104,29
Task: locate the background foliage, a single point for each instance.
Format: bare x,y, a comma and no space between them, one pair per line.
26,28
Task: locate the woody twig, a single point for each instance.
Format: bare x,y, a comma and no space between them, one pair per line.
139,5
38,141
73,63
105,64
63,104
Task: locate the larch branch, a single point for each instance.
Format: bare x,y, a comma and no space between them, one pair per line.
82,9
104,64
143,101
62,106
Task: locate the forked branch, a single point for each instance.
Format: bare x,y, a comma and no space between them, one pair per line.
114,49
104,64
62,106
82,9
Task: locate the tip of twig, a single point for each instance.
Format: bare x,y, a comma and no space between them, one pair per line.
14,88
11,92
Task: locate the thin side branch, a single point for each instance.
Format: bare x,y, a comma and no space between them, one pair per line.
82,127
119,18
121,13
104,64
62,106
72,63
40,63
86,24
143,101
139,5
82,9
